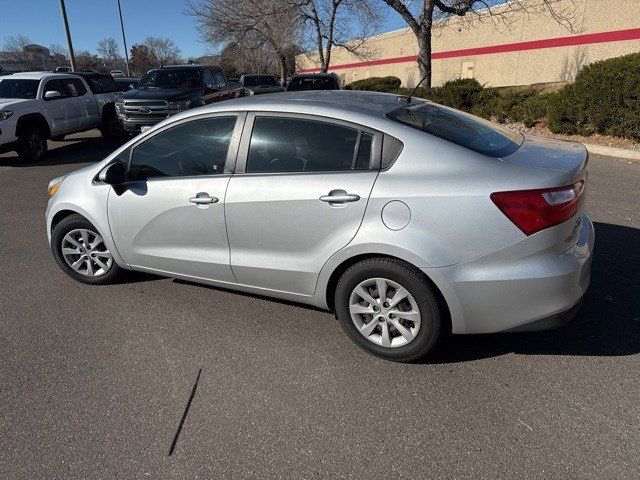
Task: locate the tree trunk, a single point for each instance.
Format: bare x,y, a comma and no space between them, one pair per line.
282,58
424,55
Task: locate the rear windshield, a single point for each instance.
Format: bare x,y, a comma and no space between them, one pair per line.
11,88
171,78
312,83
460,128
261,82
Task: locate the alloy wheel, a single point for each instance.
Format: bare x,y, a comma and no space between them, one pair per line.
384,312
85,252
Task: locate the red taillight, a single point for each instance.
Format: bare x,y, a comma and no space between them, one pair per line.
535,210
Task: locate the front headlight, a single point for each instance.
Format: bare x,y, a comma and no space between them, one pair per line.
4,114
54,185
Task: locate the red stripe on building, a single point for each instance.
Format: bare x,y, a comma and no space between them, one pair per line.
589,38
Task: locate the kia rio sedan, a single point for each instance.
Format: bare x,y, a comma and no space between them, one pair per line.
407,219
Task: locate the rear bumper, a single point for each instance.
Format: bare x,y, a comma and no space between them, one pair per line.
549,323
532,285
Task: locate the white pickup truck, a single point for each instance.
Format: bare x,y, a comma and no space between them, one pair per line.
37,106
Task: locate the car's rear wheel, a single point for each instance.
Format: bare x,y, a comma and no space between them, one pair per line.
81,252
32,144
388,308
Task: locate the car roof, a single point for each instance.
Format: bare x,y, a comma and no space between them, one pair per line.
183,67
41,75
338,103
314,75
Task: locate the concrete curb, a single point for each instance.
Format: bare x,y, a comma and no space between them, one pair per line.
613,152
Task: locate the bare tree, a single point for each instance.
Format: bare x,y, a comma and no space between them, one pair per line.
164,50
431,11
339,23
109,52
58,56
267,25
15,51
86,61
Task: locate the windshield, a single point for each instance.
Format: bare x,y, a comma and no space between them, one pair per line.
171,78
312,83
13,88
261,82
460,128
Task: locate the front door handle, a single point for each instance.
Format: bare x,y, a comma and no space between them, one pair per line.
339,196
203,198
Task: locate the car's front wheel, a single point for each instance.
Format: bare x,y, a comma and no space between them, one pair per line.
32,144
388,308
81,252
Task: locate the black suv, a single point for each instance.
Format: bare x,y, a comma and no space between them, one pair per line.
165,91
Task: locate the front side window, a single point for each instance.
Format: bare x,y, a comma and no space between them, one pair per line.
209,80
457,127
56,86
10,88
198,147
298,145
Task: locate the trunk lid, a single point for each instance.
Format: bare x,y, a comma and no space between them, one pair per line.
557,155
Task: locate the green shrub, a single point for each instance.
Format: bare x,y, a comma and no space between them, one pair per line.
375,84
604,98
458,94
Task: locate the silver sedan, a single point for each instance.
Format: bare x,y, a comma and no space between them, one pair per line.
408,219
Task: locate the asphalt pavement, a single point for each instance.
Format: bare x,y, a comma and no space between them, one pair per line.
95,381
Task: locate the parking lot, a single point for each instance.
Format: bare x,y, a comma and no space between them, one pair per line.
95,380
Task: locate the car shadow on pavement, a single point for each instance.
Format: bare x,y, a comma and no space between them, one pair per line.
607,325
69,152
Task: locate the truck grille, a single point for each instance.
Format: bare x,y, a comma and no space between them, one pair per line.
147,112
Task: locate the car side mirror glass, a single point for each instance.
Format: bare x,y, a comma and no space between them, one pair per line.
51,94
113,174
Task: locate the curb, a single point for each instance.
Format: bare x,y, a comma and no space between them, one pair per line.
613,152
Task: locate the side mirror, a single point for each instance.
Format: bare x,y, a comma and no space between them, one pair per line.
51,94
132,86
113,174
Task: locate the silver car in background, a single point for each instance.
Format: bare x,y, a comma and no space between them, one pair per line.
408,219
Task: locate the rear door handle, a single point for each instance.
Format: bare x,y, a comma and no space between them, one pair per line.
339,196
203,198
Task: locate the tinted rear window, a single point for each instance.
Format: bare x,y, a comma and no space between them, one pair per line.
313,83
460,128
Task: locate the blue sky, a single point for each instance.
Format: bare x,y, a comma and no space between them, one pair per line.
92,20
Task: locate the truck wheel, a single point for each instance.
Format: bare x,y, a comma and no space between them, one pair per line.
32,144
110,127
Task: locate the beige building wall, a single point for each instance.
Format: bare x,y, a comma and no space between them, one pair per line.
599,29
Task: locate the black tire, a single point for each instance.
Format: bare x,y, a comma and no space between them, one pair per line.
415,282
110,126
32,144
68,224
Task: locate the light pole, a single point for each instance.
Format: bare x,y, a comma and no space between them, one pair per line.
124,40
63,10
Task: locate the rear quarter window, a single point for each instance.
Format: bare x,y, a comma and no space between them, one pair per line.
460,128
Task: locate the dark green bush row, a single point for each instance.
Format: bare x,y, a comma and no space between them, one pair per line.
375,84
605,98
